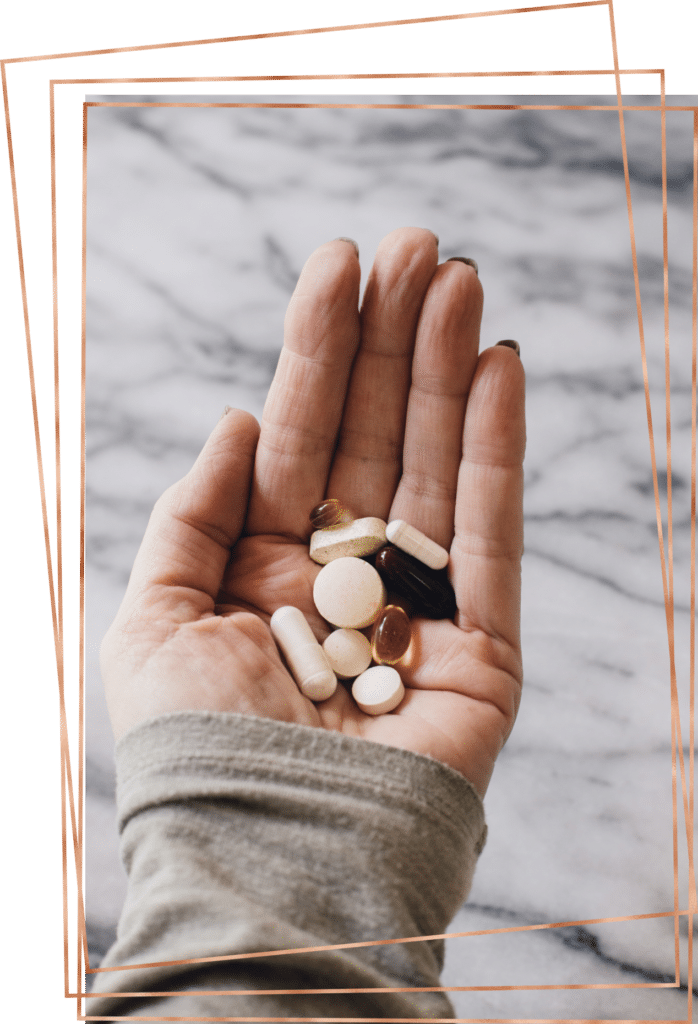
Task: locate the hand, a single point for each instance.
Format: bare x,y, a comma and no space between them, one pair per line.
393,412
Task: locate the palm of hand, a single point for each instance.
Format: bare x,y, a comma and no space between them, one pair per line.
193,633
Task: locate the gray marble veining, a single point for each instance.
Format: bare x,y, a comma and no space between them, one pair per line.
199,221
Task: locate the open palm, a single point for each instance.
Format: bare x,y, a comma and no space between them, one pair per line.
391,410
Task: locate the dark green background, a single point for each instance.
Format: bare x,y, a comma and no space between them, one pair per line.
571,39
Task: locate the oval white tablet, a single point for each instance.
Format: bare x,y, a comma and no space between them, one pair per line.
349,593
348,652
378,690
414,542
358,538
306,658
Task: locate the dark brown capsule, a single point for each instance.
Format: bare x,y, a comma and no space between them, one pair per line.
430,592
330,512
392,634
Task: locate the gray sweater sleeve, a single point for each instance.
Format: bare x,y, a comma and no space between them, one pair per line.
243,835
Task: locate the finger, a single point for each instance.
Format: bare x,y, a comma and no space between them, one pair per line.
488,543
197,521
304,406
444,361
368,460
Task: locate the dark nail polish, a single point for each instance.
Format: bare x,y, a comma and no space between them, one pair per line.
510,343
430,592
466,260
343,238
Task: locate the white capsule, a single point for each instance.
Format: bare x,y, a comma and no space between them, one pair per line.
378,690
349,593
414,542
348,652
304,655
358,538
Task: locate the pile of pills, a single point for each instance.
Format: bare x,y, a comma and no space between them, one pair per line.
359,559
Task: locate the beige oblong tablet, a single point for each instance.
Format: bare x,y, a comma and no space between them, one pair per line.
358,538
349,593
348,652
414,542
378,690
304,655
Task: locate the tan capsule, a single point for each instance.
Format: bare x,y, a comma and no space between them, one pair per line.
414,542
306,658
392,634
329,512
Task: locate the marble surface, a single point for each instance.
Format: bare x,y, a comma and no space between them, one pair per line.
199,220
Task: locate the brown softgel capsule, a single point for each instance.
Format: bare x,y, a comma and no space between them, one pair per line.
430,592
329,512
392,634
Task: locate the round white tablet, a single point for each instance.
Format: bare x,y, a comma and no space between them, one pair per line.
378,690
349,593
348,652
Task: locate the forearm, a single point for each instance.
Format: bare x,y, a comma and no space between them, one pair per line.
243,835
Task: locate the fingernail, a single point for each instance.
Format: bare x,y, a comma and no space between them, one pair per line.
510,343
466,260
343,238
436,238
225,412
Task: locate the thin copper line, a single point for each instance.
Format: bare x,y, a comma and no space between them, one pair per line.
692,626
654,468
361,76
371,990
59,547
381,1020
308,31
58,646
389,942
396,107
30,359
82,927
677,744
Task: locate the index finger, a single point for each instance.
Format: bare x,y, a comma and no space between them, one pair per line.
304,407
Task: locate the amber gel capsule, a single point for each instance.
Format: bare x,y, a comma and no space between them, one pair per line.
429,592
392,634
329,512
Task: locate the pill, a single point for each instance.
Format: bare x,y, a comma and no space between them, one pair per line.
349,593
392,634
358,538
414,542
329,512
430,593
378,690
348,652
306,658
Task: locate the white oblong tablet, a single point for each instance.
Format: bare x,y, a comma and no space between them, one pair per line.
414,542
304,655
348,652
349,593
378,690
358,538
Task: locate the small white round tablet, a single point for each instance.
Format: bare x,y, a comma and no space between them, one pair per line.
349,593
378,690
348,652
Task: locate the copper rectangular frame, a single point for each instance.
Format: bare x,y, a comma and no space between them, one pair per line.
666,558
